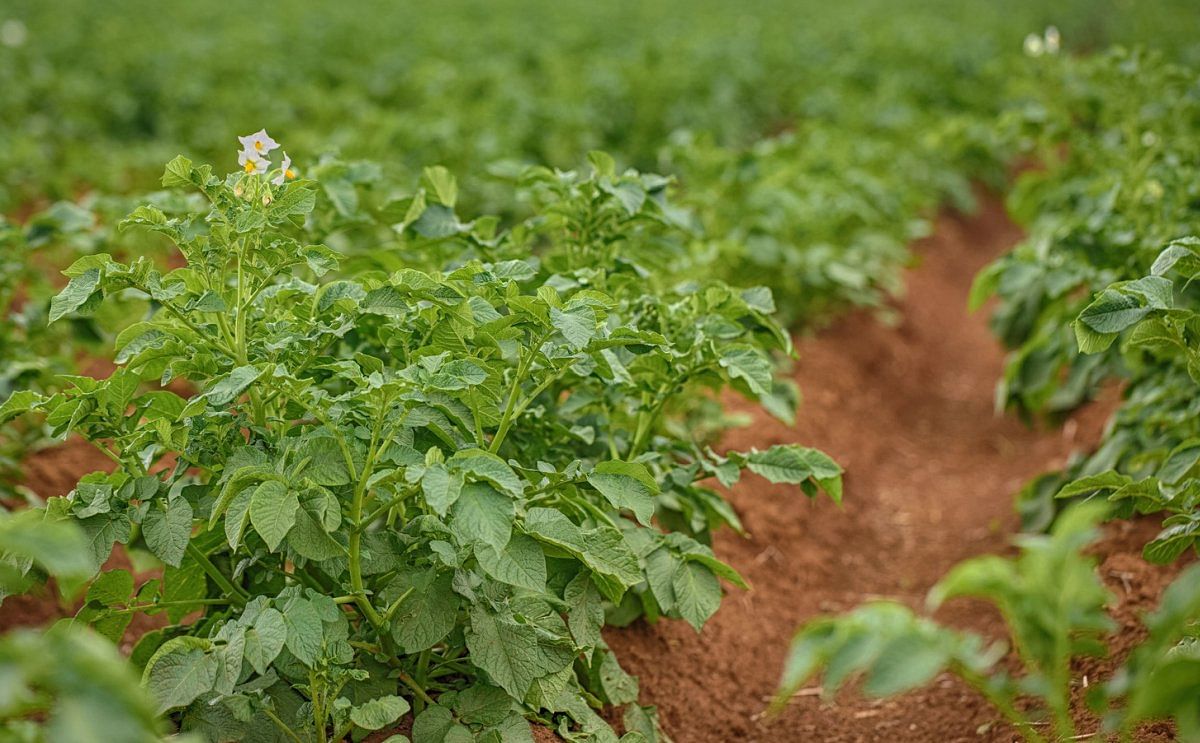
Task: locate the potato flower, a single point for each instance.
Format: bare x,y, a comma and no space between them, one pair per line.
252,163
285,171
258,143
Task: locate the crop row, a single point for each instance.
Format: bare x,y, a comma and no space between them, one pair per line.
1100,289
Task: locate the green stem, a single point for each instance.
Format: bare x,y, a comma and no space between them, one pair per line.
370,519
356,521
196,329
165,604
391,610
506,423
1001,703
416,688
510,405
592,509
241,341
236,594
646,418
280,724
318,707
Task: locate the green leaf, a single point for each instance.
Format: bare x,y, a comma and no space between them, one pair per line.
428,614
482,704
602,549
326,462
304,631
442,184
436,222
384,301
618,686
178,173
1089,341
1180,462
75,294
1172,541
577,324
180,671
586,610
1178,250
237,515
520,563
482,515
512,653
626,485
265,639
907,662
18,404
182,585
231,386
697,593
457,375
1113,312
484,465
789,463
631,195
437,725
378,713
168,532
342,195
603,163
1085,485
441,488
310,540
296,199
749,364
112,589
38,536
273,509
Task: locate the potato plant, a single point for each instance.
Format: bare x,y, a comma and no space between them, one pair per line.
1116,138
1116,134
415,489
1054,605
1160,327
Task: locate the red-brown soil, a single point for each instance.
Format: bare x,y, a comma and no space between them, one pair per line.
907,409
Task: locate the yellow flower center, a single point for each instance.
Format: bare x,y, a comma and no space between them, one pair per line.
250,166
289,174
258,145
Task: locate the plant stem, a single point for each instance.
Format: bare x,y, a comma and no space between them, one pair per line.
509,406
411,683
237,594
520,409
1001,703
356,520
281,725
165,604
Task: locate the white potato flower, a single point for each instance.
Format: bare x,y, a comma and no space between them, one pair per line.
252,163
285,171
1034,45
258,143
1053,40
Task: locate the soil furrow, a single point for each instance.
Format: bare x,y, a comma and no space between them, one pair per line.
907,408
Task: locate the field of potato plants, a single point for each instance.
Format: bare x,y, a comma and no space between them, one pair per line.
520,370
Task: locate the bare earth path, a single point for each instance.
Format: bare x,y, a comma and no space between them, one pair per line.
931,474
